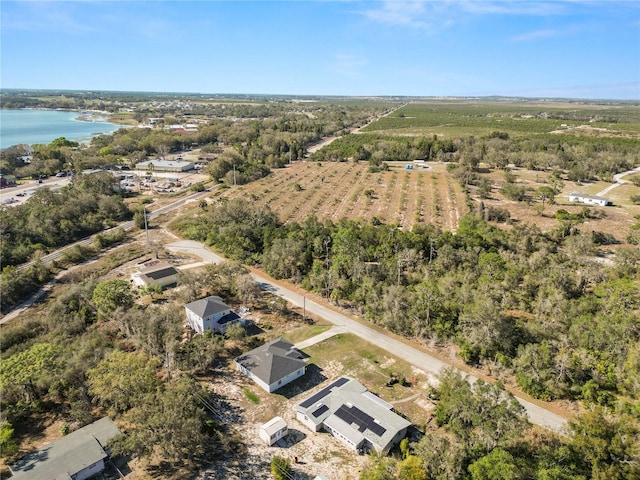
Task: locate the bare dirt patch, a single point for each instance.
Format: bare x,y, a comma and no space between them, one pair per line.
333,191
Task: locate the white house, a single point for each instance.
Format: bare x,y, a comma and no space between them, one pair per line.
77,456
355,416
154,273
273,430
589,199
273,365
210,313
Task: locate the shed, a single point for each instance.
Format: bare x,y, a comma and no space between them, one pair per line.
274,430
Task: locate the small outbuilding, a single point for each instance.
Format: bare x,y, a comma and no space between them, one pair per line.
154,273
273,430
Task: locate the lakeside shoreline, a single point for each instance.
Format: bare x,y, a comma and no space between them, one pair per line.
30,126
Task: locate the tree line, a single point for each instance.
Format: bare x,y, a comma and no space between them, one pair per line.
527,304
51,219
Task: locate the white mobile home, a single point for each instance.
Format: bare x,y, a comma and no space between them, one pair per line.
589,199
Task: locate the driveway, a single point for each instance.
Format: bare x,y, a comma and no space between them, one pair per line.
618,181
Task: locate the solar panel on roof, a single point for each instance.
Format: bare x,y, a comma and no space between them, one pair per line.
323,393
364,421
320,411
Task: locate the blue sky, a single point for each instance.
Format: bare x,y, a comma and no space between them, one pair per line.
578,49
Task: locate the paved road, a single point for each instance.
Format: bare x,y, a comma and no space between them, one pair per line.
20,194
417,358
125,225
618,181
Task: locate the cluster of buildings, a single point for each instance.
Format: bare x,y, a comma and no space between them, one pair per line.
361,420
345,408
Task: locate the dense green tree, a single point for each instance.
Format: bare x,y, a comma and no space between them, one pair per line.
169,423
122,380
111,294
497,465
608,445
29,374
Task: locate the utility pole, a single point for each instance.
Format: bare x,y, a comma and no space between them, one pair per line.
234,175
146,227
304,307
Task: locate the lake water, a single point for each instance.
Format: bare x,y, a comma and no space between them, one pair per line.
44,126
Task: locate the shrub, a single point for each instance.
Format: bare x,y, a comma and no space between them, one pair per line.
281,468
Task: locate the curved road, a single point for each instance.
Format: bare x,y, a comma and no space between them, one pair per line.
418,358
617,178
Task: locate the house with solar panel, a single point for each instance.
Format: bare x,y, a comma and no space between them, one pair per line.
155,273
273,365
355,416
78,455
211,313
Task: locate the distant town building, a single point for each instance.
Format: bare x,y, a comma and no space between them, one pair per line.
589,199
7,181
164,166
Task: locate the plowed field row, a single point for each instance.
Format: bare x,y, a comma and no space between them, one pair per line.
333,191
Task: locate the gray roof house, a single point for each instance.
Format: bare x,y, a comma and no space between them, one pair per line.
273,365
76,456
357,417
210,313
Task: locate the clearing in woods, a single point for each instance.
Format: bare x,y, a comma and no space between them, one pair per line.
333,191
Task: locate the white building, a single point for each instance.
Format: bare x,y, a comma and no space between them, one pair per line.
210,313
589,199
273,430
273,365
355,416
155,273
77,456
164,166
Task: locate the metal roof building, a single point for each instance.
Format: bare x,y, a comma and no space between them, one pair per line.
155,273
165,166
589,199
